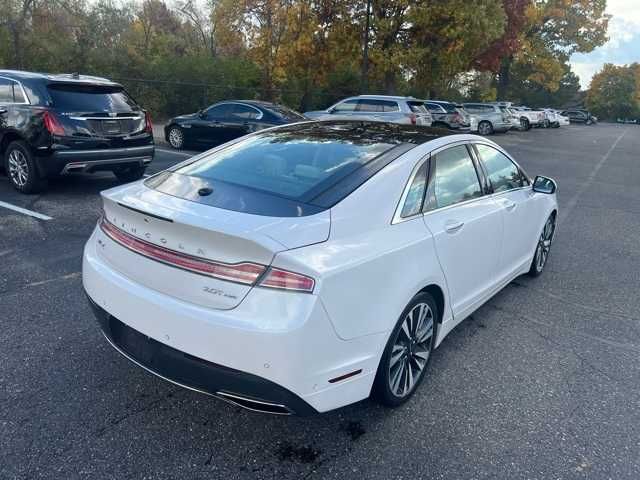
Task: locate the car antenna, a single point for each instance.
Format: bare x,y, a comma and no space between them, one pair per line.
75,75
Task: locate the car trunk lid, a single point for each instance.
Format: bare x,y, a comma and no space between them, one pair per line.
162,242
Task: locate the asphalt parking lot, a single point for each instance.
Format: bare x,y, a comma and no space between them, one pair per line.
543,382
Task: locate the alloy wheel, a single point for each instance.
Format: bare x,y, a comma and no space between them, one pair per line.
176,138
18,168
484,128
544,244
411,350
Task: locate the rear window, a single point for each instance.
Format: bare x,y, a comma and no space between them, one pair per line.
91,98
294,164
418,107
284,112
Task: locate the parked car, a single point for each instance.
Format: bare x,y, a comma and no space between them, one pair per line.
303,268
580,116
528,117
224,121
554,118
59,124
382,108
487,118
447,115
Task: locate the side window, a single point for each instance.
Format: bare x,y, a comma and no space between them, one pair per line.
219,111
244,112
373,105
456,179
502,172
417,107
18,96
347,106
415,196
433,107
6,91
472,108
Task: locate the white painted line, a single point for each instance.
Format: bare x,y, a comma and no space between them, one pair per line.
63,277
175,152
25,211
574,200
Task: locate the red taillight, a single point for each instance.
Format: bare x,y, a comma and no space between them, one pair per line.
52,124
148,126
246,273
283,279
413,119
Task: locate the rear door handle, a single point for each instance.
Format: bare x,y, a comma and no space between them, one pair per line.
452,226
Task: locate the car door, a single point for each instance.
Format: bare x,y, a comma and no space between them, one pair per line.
466,225
511,190
243,119
213,126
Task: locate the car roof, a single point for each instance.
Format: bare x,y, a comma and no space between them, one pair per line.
383,97
56,77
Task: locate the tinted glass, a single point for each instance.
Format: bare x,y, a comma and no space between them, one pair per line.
456,179
244,112
371,105
417,107
433,107
90,98
6,91
18,96
290,163
413,202
284,112
449,107
501,171
219,111
348,106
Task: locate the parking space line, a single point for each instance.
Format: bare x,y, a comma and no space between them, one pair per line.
63,277
24,211
583,188
184,154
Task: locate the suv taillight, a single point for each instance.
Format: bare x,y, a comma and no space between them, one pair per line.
52,124
148,126
285,280
413,118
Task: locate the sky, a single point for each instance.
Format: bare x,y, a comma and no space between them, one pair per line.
623,46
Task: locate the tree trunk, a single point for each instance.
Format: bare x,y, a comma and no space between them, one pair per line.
390,82
504,78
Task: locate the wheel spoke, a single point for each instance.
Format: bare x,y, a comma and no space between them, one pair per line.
396,355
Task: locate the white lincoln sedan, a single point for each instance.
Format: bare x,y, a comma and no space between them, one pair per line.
303,268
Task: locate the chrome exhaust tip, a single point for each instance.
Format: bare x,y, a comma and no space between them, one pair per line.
253,404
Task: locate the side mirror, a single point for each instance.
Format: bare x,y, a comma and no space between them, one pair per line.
544,185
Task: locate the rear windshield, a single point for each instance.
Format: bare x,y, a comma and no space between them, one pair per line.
449,107
295,164
418,107
90,98
284,112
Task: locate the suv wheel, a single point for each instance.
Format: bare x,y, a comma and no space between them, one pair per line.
546,123
176,137
408,351
130,174
525,124
485,128
21,168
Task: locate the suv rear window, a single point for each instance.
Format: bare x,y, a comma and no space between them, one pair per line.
90,98
290,164
418,107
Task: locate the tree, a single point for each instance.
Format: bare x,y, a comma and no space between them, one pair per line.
552,32
615,92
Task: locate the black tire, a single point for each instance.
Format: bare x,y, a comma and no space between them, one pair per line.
543,247
407,356
485,128
556,125
130,174
546,123
175,137
21,168
525,124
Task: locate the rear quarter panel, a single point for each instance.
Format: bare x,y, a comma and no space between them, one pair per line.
369,269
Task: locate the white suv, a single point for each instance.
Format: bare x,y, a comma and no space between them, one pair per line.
381,108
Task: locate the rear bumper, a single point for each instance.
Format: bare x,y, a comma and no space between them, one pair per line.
243,389
67,161
274,347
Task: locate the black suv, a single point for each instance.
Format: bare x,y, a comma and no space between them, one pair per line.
59,124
